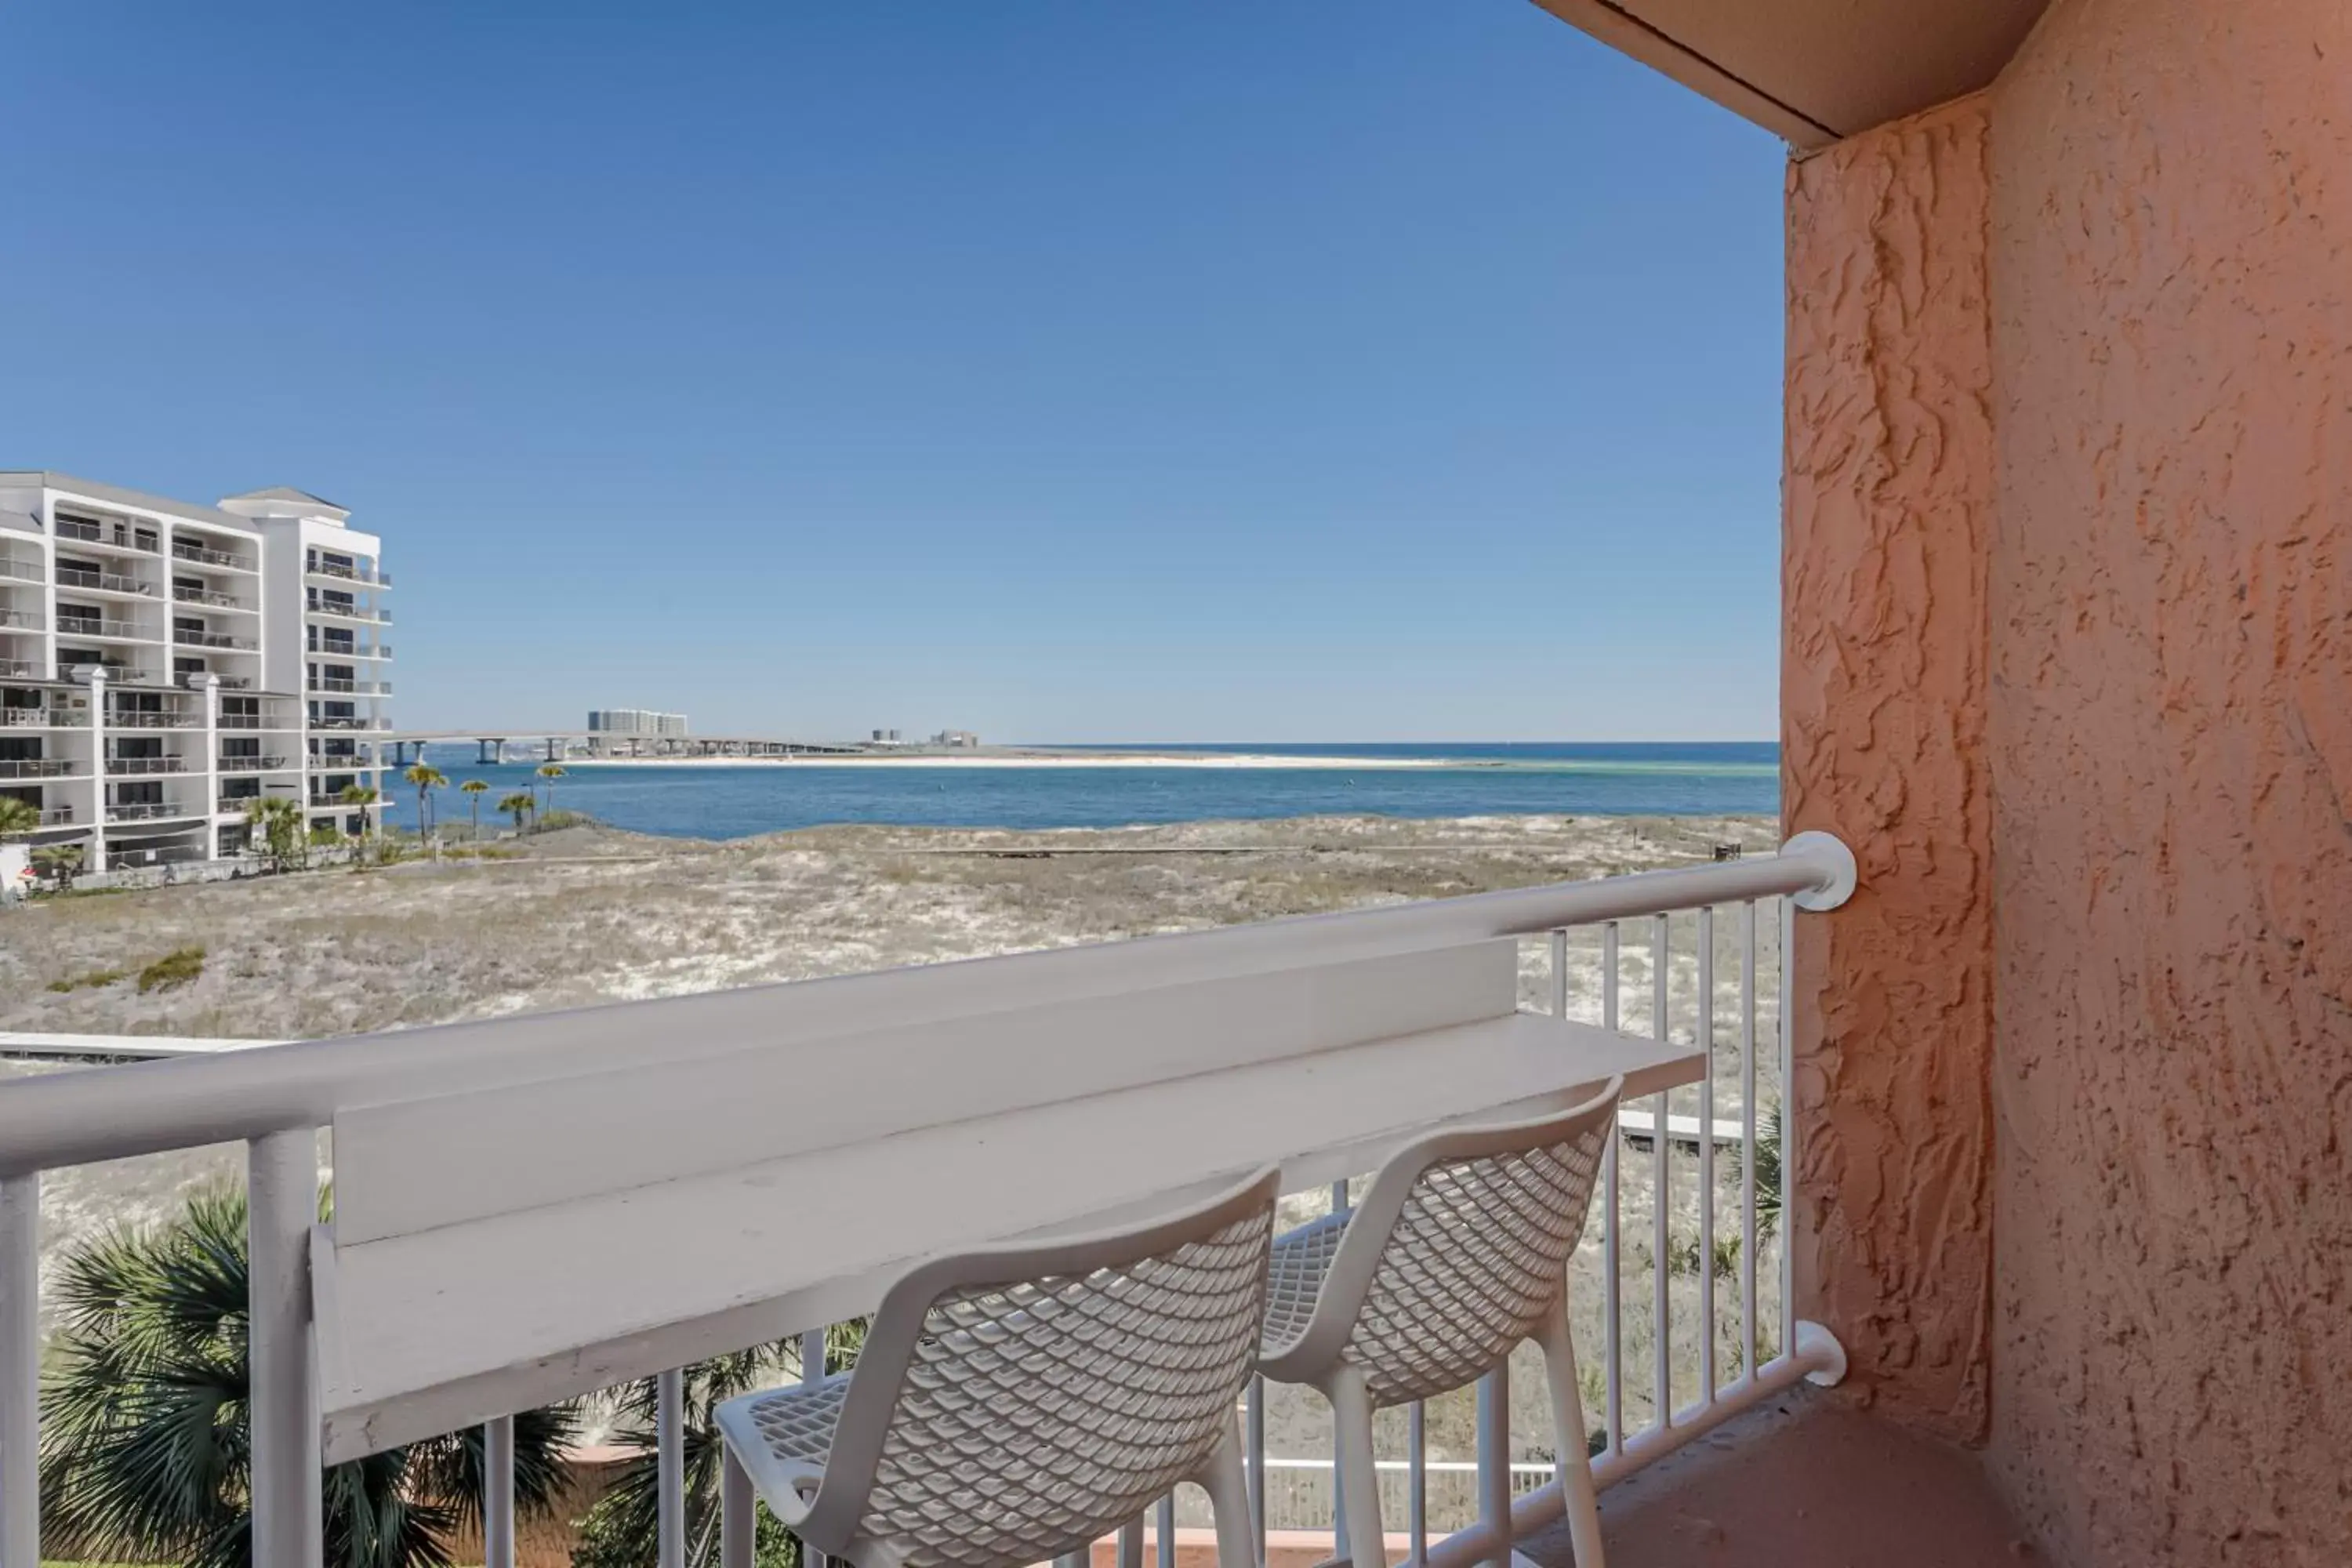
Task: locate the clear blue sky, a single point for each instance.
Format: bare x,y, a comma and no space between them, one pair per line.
1106,370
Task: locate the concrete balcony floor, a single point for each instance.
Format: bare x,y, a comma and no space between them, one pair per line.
1804,1479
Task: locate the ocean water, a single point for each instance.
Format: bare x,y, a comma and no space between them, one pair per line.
1498,780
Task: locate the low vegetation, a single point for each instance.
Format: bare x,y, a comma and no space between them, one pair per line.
175,968
88,980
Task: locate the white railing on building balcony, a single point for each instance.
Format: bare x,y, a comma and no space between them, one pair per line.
448,1289
103,582
183,551
349,612
212,597
105,537
253,764
23,569
42,717
21,620
22,669
119,764
354,574
213,639
41,768
102,627
145,810
163,719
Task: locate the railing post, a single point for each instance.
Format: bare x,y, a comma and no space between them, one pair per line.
498,1493
669,1466
1254,1441
739,1512
282,1204
1416,1483
1339,1542
1494,1463
20,1370
1662,1317
814,1357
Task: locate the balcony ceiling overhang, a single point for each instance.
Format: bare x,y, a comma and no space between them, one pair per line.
1814,71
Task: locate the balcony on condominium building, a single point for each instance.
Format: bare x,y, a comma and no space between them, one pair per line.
188,638
114,584
120,538
208,555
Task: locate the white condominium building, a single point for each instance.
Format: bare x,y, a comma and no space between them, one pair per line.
164,664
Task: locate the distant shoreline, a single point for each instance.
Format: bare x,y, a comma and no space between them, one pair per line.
1032,760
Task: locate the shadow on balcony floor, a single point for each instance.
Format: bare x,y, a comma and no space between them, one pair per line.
1803,1480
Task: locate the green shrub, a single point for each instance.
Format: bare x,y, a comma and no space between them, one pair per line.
177,967
89,980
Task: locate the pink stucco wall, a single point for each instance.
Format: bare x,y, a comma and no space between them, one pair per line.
2069,660
2170,743
1887,498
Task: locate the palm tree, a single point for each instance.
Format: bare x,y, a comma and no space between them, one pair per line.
621,1530
280,822
426,778
516,805
551,772
360,795
145,1420
1768,1172
18,815
474,790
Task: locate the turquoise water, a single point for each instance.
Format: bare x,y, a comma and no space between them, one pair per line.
1524,780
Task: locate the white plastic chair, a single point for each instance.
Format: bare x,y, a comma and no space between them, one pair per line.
1017,1402
1458,1252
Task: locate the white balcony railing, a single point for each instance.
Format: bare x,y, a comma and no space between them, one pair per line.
115,764
186,638
355,573
103,582
109,536
336,608
102,626
145,810
533,1208
213,598
204,556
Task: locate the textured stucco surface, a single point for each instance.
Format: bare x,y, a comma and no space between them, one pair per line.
1889,489
2171,737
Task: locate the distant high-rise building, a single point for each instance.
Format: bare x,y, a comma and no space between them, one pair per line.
634,721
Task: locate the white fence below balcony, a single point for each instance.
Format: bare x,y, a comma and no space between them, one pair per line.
619,1197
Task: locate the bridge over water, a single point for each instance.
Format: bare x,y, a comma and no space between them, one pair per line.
491,746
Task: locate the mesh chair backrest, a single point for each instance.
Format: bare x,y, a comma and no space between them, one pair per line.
1035,1415
1478,1256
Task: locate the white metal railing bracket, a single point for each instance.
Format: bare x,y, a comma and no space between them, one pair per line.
1841,874
1820,1353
